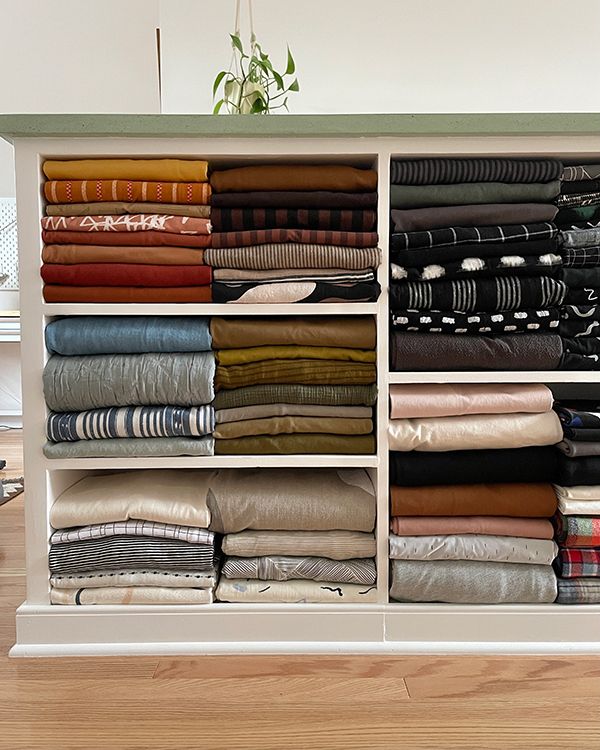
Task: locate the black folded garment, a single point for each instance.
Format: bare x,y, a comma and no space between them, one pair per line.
435,171
581,362
421,256
575,471
416,468
294,291
581,257
437,321
581,278
577,216
475,267
585,297
580,186
474,235
586,345
579,321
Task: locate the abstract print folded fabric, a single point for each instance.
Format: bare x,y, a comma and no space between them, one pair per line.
578,563
173,170
578,591
578,199
294,291
282,568
459,194
461,235
130,595
580,321
448,171
269,257
244,219
82,191
127,223
580,172
126,275
285,275
297,236
454,322
294,592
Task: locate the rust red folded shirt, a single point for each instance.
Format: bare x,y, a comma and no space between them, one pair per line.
176,294
125,274
86,191
151,237
148,255
302,236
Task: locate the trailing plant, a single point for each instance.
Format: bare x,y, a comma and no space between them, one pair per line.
253,86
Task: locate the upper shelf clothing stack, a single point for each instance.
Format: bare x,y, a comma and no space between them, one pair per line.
129,386
126,230
579,221
135,537
471,493
294,385
474,264
578,519
294,233
295,535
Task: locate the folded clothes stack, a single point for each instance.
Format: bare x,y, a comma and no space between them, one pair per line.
579,221
294,535
294,233
126,230
129,386
471,469
474,265
292,385
577,521
134,537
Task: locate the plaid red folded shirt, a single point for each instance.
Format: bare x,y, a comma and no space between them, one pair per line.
577,531
578,563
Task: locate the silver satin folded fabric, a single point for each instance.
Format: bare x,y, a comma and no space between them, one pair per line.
117,447
483,547
131,595
287,567
110,578
335,545
475,432
472,582
261,411
579,500
576,448
294,592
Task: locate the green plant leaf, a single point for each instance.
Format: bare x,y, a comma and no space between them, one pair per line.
278,79
294,86
218,80
291,65
257,106
236,42
218,106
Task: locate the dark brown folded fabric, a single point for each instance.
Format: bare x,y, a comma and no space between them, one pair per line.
59,293
299,236
125,274
476,215
438,351
520,500
242,219
294,177
296,371
309,443
294,199
341,331
150,237
167,256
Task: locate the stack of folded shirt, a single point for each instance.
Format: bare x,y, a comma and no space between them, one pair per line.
129,386
126,230
135,537
294,233
471,493
295,535
578,519
474,265
579,221
291,385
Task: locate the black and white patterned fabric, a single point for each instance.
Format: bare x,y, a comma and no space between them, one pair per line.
293,291
440,171
519,265
284,568
581,257
473,235
134,527
436,321
579,321
580,172
583,297
581,199
571,361
585,345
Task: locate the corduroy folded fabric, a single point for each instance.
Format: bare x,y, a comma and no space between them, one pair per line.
117,294
290,255
340,331
294,177
415,468
578,448
306,199
300,443
94,382
472,582
460,194
319,500
274,393
153,237
142,222
461,235
148,255
578,591
475,215
126,274
294,291
453,322
530,528
293,425
131,595
522,351
128,334
445,400
286,568
452,170
251,354
292,592
99,191
474,432
126,577
521,500
482,547
119,208
297,371
240,219
578,471
260,411
172,170
176,496
296,236
578,563
334,545
577,531
127,447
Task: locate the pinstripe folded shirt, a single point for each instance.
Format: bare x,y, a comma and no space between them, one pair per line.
449,171
191,534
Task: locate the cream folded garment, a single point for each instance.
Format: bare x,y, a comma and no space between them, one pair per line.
335,545
475,432
581,500
131,595
123,578
294,592
445,400
481,547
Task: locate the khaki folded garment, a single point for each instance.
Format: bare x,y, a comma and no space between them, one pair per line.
293,425
298,371
335,545
290,393
262,411
120,208
300,443
228,357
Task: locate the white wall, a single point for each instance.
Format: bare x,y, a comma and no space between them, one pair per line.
397,55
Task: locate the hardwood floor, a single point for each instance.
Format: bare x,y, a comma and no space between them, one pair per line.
277,703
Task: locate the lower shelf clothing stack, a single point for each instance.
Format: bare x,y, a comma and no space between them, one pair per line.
295,535
294,233
577,521
471,493
134,537
474,265
126,230
289,385
579,221
129,386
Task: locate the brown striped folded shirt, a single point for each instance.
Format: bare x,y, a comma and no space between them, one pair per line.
299,236
272,256
240,219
